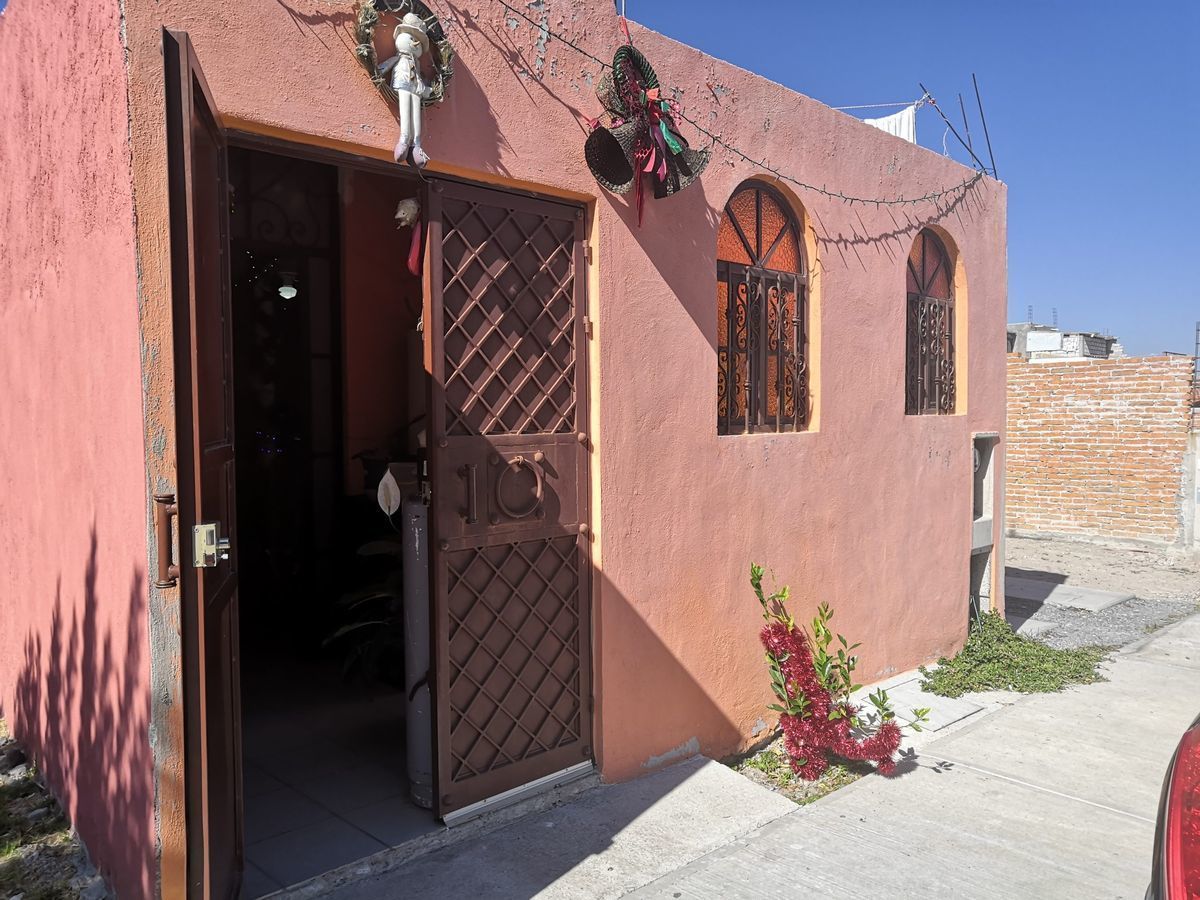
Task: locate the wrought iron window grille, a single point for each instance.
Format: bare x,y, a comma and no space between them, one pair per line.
762,340
930,376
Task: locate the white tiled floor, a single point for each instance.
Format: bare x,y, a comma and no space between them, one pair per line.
324,775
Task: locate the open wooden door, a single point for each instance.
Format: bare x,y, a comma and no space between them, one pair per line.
204,421
509,451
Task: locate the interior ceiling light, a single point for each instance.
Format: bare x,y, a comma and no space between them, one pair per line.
287,290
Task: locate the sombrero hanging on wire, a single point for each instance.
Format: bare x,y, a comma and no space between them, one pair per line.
641,138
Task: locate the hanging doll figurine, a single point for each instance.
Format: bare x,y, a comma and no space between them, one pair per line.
412,41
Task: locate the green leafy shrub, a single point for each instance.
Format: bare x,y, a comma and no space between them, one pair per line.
996,658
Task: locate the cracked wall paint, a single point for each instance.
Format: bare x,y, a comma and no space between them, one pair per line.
690,747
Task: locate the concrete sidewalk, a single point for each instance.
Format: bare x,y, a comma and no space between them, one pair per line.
1051,796
1054,796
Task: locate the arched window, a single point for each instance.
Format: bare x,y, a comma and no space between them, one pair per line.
762,380
929,371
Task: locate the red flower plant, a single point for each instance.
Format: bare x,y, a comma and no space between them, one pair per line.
815,713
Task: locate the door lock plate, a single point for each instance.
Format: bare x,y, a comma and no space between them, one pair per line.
208,547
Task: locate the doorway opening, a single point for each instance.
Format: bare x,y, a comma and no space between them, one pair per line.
331,403
329,398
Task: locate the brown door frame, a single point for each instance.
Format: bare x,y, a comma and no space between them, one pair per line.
195,776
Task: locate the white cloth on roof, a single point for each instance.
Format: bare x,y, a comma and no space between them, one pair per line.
902,124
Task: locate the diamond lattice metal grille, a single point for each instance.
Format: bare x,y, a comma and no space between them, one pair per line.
515,642
509,319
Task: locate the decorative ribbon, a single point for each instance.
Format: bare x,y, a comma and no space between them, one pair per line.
414,251
652,157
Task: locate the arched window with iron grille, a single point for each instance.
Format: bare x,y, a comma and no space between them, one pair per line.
762,341
929,383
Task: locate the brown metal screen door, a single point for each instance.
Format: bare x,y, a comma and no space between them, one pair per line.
204,408
509,452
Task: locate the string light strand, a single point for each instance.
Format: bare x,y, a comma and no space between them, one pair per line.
931,197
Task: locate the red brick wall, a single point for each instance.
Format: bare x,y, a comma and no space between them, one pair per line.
1096,447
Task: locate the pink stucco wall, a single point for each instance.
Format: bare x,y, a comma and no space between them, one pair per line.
74,667
869,511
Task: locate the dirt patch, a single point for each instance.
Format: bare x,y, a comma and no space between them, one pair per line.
40,858
771,769
1147,574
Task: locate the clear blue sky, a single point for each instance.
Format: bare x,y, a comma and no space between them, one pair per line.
1094,116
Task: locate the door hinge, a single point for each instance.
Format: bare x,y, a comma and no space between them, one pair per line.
587,253
587,325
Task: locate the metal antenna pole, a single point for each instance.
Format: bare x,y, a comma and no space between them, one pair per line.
953,130
966,125
983,119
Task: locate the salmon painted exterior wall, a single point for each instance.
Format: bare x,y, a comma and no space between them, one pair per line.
869,510
74,656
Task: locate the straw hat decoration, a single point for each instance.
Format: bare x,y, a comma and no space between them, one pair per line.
641,138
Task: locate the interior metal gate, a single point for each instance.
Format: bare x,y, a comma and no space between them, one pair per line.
509,467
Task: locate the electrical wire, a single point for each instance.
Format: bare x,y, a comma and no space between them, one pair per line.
930,197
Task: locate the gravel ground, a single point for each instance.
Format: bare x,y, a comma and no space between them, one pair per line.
1113,627
1165,585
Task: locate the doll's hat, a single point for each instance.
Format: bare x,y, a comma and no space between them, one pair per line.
414,26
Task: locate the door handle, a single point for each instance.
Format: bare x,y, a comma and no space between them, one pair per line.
469,473
539,478
165,509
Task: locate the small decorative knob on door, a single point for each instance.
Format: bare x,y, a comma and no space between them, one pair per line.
515,464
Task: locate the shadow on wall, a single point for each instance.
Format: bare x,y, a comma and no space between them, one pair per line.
895,242
470,119
82,713
655,712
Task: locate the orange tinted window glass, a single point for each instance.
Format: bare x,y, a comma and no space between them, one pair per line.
742,205
929,268
729,245
786,257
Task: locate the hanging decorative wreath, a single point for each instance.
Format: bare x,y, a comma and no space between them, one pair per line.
441,54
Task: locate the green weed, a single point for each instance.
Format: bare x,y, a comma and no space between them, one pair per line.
996,658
